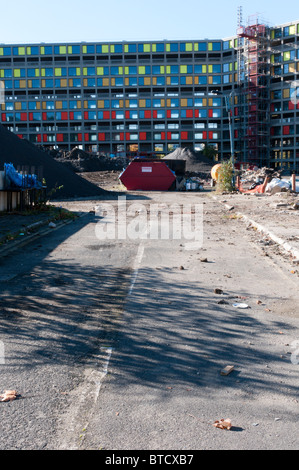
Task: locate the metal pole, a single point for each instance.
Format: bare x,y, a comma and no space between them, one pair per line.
228,99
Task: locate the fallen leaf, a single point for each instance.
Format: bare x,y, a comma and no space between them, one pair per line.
223,424
8,395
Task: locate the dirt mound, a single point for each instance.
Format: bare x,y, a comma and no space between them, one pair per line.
82,162
22,153
196,162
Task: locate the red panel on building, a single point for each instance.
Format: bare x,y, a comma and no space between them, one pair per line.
189,113
142,136
184,135
147,176
3,117
106,115
64,116
101,136
286,130
147,114
59,137
23,116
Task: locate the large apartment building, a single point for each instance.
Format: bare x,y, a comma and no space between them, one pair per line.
237,95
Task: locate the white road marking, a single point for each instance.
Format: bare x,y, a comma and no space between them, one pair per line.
136,267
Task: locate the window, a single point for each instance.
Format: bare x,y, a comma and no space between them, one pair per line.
77,115
119,81
200,69
172,69
158,69
74,49
32,72
160,81
172,47
202,46
5,51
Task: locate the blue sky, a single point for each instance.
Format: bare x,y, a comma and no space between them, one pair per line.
36,21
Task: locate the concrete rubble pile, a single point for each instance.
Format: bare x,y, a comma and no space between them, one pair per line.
258,175
252,178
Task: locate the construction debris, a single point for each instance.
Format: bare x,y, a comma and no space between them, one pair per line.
80,161
258,175
227,370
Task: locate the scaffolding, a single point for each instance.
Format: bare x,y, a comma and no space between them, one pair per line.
253,92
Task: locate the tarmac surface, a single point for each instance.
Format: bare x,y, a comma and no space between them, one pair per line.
118,344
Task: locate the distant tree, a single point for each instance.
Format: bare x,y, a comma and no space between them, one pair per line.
209,152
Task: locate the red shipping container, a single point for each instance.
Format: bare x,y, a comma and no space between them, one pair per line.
147,176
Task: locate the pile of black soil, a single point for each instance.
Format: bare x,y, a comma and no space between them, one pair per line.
196,163
24,155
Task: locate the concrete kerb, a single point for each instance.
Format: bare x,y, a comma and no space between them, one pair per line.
283,243
16,244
